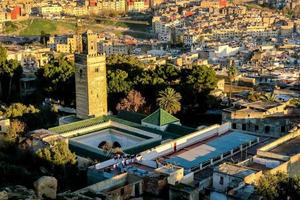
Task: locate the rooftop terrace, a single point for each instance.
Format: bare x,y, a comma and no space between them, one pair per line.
210,150
288,148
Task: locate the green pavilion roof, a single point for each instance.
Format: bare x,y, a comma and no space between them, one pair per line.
160,118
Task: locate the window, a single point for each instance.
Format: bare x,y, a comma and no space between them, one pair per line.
233,125
243,127
267,129
80,73
256,128
221,181
97,69
282,129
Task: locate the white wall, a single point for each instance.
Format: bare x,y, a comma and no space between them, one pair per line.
185,141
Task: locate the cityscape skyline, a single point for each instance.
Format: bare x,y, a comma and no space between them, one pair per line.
150,99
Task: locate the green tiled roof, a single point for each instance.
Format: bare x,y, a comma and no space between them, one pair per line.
131,116
179,129
78,125
98,120
160,118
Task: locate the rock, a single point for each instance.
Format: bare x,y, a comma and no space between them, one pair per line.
3,195
46,186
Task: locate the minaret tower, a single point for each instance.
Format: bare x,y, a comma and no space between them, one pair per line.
90,79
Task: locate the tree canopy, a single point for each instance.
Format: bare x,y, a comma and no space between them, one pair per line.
279,186
10,73
118,81
128,73
18,110
201,78
57,80
33,117
57,154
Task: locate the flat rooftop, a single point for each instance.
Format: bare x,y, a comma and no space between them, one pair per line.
257,166
258,106
235,170
288,148
210,149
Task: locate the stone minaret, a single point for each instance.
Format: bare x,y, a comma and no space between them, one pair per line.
90,79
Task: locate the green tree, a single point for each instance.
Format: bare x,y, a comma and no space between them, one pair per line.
18,110
57,154
169,73
118,82
278,186
196,84
16,129
268,97
130,64
9,69
201,78
3,55
57,80
231,73
169,100
34,118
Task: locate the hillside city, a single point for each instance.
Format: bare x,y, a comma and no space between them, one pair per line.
150,99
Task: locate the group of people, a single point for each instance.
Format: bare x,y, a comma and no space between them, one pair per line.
124,160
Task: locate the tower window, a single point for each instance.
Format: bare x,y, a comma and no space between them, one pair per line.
97,69
243,127
221,181
267,129
233,125
80,73
282,129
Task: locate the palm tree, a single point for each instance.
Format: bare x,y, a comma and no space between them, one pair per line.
268,97
169,100
231,73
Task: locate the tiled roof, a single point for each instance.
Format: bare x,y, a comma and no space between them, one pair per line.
78,125
160,118
179,129
131,116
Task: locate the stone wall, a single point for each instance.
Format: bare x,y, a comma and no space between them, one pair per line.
279,141
106,184
291,167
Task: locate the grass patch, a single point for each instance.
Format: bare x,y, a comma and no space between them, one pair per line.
10,27
36,26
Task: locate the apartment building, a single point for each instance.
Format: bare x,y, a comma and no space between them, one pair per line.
137,5
112,5
50,10
63,44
